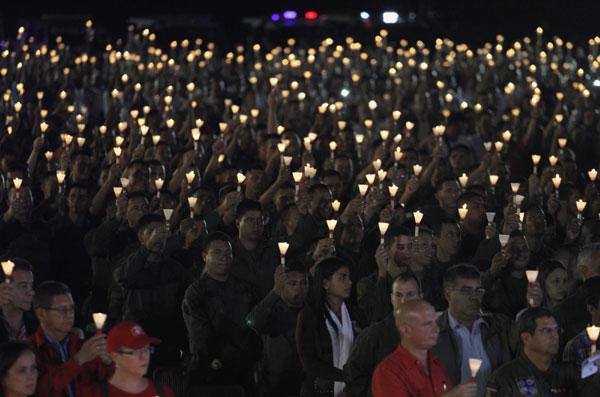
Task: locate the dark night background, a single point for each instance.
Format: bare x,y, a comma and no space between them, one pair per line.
473,22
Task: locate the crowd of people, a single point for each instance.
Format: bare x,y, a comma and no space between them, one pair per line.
351,217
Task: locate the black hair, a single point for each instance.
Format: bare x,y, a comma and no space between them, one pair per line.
318,296
437,226
9,354
527,322
215,236
46,291
407,276
133,195
147,219
317,186
332,173
392,233
468,196
81,152
461,270
245,206
20,264
591,291
544,269
296,266
287,211
441,181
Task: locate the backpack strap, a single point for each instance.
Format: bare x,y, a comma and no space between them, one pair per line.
159,388
103,388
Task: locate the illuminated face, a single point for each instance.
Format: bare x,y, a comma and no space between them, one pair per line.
401,250
404,291
21,378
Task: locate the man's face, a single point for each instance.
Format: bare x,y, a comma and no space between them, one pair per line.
401,250
78,201
518,252
292,220
295,289
448,195
81,168
282,198
162,154
256,181
136,208
334,183
22,282
353,232
449,239
144,236
423,329
465,299
218,258
251,225
423,249
459,159
204,204
60,316
23,204
139,176
344,167
545,338
535,223
404,291
320,204
476,213
157,171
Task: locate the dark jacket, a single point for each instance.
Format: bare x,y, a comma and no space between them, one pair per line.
256,267
371,346
374,296
275,322
499,338
29,320
315,350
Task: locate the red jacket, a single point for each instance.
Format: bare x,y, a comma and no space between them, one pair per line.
402,375
54,376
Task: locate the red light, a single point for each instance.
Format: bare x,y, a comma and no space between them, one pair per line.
311,15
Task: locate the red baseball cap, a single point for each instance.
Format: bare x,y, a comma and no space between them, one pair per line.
129,335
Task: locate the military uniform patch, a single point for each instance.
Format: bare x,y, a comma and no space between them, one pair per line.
527,386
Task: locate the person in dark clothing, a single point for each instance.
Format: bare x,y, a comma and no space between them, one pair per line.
17,320
153,286
223,347
326,329
379,340
473,226
274,318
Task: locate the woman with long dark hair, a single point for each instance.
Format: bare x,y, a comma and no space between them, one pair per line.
326,329
553,280
18,370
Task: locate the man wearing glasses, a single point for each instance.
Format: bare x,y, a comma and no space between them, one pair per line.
466,332
65,362
536,372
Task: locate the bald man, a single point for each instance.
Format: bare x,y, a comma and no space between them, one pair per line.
412,370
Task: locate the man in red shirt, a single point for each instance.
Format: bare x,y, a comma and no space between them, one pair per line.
412,370
65,362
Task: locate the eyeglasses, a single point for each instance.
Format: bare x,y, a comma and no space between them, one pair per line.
471,291
138,352
62,309
548,331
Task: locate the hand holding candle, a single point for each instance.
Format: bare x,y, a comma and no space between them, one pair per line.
331,223
503,241
192,203
383,227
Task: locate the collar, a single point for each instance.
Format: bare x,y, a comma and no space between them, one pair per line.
454,323
63,344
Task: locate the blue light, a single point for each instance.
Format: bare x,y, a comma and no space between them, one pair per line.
365,15
275,17
290,14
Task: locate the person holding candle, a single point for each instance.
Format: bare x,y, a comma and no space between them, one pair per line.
551,287
153,284
393,258
18,319
65,362
130,348
222,346
18,370
413,369
467,332
275,319
326,329
473,226
579,347
255,257
447,192
536,372
378,340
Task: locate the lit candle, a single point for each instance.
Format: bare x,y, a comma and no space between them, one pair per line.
60,177
17,182
377,164
556,181
393,190
359,140
332,147
518,201
335,204
474,365
487,146
7,268
514,186
240,179
531,277
331,226
498,145
384,136
383,227
490,218
283,247
593,333
118,190
593,174
155,139
553,160
363,190
370,179
190,178
506,135
417,169
159,184
297,178
196,137
503,241
168,212
493,181
464,179
397,156
438,131
462,212
117,151
287,160
125,183
381,174
99,320
536,159
580,207
192,204
418,216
